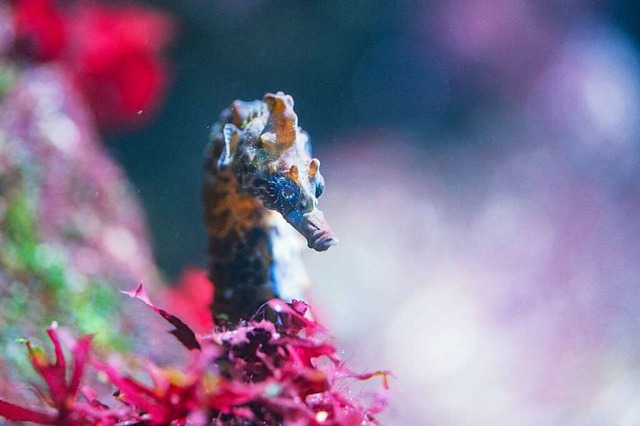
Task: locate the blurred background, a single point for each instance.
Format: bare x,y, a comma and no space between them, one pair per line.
482,161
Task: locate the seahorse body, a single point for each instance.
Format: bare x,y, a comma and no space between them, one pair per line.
259,175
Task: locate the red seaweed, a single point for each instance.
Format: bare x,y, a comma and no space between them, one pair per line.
280,370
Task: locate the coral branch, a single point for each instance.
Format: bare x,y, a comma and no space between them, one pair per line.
261,372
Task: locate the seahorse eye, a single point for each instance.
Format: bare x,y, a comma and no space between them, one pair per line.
319,180
287,191
319,188
281,193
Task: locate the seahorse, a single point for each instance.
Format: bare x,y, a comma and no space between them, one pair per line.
261,184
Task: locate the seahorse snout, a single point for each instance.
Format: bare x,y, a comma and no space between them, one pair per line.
314,228
324,244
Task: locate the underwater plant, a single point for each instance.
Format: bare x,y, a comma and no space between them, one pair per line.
257,372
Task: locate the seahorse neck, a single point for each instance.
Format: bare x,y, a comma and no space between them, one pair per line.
242,234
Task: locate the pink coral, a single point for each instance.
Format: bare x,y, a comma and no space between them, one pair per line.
39,28
191,299
60,393
113,52
268,372
116,55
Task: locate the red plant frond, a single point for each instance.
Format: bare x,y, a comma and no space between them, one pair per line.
271,372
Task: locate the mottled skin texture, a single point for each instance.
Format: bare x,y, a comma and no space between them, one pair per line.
259,175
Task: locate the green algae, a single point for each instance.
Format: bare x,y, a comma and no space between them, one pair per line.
44,289
8,75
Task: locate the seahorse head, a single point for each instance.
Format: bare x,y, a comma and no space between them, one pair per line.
274,163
